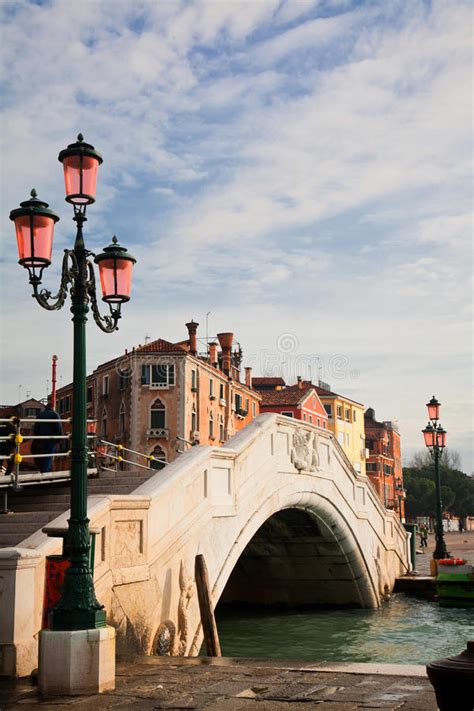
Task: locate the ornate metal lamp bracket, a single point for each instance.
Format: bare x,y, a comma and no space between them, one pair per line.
108,324
68,275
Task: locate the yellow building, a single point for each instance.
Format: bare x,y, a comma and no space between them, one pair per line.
346,421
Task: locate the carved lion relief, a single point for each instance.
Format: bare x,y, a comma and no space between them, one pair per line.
304,453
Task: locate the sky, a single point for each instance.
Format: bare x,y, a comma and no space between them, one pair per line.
297,172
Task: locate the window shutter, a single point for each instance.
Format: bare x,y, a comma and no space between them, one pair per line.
145,375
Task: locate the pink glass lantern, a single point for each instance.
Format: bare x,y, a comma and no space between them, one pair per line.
34,226
441,437
80,162
433,408
429,435
115,269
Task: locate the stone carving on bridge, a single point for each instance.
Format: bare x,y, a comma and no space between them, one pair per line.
304,453
172,640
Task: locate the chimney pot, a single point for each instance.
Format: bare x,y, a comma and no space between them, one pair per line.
192,327
248,377
226,340
300,382
213,359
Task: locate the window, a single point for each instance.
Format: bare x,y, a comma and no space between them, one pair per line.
340,438
369,443
348,415
238,402
90,394
31,411
354,412
211,426
105,385
159,458
194,380
122,419
310,419
104,423
193,420
371,467
247,404
287,414
65,404
211,389
124,376
158,376
387,470
324,424
221,429
254,409
339,412
157,415
304,418
319,422
328,409
221,393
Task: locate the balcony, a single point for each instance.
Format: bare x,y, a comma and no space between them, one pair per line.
157,433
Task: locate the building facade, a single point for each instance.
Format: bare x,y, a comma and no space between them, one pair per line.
299,401
161,398
384,463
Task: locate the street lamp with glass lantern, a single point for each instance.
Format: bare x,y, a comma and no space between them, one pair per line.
435,440
78,608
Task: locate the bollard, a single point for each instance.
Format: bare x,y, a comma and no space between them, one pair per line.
453,680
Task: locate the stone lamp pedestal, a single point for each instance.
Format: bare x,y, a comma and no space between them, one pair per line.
75,663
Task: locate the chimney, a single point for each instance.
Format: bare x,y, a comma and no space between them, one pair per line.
192,331
248,377
225,340
213,359
300,382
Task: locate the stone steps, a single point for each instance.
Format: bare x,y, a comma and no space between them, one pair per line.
35,506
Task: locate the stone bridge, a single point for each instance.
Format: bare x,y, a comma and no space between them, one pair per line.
279,514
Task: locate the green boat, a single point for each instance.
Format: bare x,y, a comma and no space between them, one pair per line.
455,583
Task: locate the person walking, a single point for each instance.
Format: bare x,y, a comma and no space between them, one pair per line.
424,536
43,429
7,446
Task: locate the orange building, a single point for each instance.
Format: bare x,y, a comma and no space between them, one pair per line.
384,464
162,397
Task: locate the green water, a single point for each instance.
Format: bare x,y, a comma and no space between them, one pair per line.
404,631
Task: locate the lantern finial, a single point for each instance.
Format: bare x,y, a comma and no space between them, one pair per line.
33,193
80,137
114,240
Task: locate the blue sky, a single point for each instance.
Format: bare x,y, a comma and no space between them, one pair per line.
299,169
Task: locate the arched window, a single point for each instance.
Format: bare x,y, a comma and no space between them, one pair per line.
157,415
122,418
159,460
193,420
211,426
104,423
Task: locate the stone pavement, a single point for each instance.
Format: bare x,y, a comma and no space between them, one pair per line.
460,545
229,684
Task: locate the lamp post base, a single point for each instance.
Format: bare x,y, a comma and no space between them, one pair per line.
76,663
62,620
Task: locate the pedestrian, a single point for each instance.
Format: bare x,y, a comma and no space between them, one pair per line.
46,446
7,446
424,536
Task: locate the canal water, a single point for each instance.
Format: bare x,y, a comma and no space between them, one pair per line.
405,630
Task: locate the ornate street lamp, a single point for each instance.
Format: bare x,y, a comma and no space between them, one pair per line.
435,439
78,608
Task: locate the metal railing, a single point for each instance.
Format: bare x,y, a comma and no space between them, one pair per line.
20,436
117,455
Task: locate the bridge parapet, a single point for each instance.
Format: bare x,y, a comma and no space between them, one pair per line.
341,547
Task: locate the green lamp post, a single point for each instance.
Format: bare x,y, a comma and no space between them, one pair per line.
435,440
78,607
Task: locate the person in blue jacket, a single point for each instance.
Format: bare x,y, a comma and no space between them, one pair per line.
46,446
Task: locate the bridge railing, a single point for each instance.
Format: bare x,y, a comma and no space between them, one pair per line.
109,452
21,437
